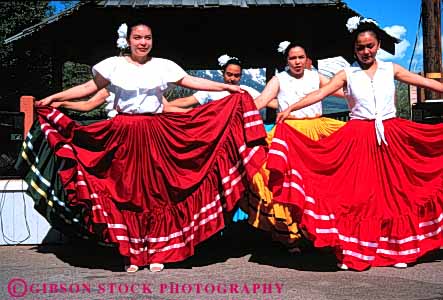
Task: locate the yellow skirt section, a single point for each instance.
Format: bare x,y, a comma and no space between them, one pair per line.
275,217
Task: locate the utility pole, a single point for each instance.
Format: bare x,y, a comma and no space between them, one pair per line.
432,63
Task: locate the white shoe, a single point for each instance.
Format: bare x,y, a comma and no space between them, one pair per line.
401,265
342,266
156,267
131,268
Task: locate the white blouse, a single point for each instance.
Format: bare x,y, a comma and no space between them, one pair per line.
292,90
138,89
204,97
371,99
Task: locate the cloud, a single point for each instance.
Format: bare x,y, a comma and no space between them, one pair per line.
209,74
331,66
399,32
256,75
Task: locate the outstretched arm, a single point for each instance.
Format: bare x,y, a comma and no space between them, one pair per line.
273,104
95,101
203,84
324,80
184,102
76,92
405,76
337,82
167,107
269,93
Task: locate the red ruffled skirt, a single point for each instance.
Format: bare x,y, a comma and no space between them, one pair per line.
274,217
375,205
157,185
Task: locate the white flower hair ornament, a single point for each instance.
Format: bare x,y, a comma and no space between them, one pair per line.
222,60
354,22
283,46
122,31
369,20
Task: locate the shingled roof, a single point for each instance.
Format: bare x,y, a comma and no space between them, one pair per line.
213,3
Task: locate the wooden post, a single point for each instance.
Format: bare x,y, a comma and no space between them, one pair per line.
420,91
431,10
27,106
413,95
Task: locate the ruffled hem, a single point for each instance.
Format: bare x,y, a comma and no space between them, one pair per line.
374,242
375,205
162,223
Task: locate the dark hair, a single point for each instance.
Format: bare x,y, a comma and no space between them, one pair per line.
232,61
135,23
297,44
293,45
366,27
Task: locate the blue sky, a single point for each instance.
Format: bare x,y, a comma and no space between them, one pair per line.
58,5
399,18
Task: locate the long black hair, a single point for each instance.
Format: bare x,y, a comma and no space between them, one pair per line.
366,26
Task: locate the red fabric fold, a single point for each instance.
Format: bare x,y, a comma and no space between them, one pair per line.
376,205
157,185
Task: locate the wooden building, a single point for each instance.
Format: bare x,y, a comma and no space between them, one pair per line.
194,33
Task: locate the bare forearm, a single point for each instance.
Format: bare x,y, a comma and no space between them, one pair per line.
198,83
76,92
184,102
79,105
309,99
94,102
269,93
266,99
172,108
260,102
423,82
273,104
414,79
324,81
339,93
434,85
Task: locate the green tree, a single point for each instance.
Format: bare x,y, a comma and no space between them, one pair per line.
403,103
179,92
27,71
17,64
74,74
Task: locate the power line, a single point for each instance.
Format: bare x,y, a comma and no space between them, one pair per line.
416,40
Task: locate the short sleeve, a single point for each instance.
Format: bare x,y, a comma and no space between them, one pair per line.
172,71
105,68
202,97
